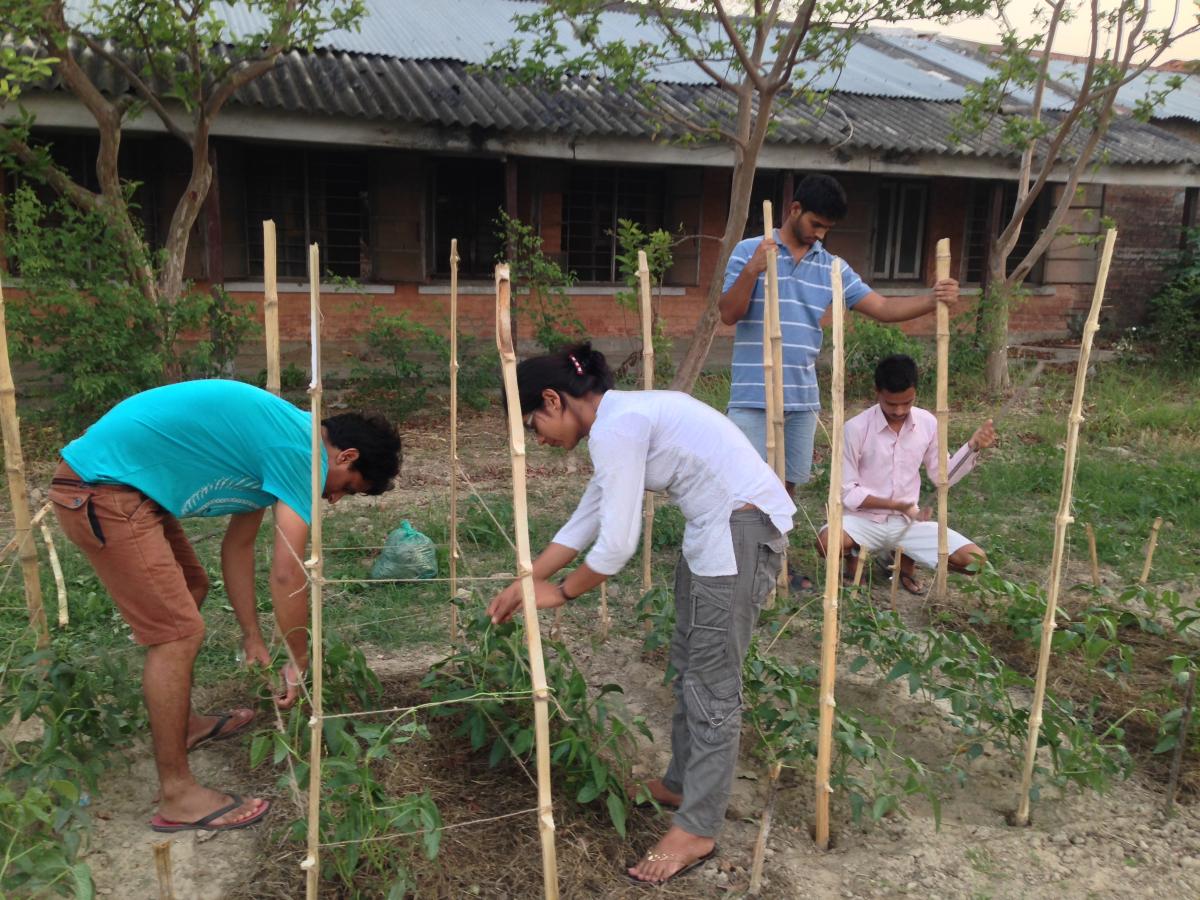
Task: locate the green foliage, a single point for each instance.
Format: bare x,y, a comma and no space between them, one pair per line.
1175,309
81,318
592,740
86,710
657,244
541,284
356,806
408,362
866,343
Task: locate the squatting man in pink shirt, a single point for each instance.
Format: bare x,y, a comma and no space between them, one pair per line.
885,447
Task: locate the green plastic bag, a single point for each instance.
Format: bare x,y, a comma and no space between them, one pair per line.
407,554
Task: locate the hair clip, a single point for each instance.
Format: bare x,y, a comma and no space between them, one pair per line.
578,367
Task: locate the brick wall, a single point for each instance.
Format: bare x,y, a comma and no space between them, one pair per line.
1148,224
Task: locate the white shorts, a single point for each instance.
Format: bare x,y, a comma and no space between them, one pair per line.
918,540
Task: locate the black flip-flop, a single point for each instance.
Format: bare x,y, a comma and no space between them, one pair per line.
694,864
216,735
158,823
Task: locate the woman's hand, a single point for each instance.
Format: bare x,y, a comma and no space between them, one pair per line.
546,595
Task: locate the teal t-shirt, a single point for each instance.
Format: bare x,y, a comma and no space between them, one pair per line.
203,448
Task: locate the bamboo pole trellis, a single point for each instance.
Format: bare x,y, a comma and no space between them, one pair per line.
772,343
316,572
60,583
270,306
18,491
1093,557
764,829
533,635
833,563
647,384
1150,549
453,438
897,559
777,420
162,867
1061,521
943,421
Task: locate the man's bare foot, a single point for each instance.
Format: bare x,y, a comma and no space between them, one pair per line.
198,802
663,794
677,850
200,728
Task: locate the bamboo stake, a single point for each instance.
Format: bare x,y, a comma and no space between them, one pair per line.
316,572
533,635
162,867
647,384
833,564
772,342
1185,722
1091,538
770,293
453,438
605,619
777,420
896,575
943,420
863,556
1150,549
270,306
1061,521
18,491
60,583
764,830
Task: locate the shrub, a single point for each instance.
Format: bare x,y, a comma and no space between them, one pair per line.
1174,311
867,342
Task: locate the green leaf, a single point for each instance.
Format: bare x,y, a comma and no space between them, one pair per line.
616,812
588,792
81,874
1167,743
260,746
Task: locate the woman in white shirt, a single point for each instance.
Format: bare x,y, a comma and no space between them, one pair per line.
737,514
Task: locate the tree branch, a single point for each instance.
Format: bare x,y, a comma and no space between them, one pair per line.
748,63
140,86
694,57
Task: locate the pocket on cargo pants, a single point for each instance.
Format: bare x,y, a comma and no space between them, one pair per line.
718,703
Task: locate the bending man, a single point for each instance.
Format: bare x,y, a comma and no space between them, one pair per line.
207,448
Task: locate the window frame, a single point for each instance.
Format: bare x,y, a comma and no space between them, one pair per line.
900,192
656,203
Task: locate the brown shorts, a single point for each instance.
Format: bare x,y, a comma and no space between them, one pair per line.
140,553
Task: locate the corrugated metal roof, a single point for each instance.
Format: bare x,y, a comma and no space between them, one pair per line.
894,107
1182,103
885,63
452,94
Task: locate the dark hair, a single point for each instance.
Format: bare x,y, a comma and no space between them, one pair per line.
575,370
896,373
823,195
377,442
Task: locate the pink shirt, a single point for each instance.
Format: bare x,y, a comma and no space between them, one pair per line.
878,462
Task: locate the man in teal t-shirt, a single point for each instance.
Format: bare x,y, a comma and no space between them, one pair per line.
207,448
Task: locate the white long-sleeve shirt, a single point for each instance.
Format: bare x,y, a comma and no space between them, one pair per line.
669,441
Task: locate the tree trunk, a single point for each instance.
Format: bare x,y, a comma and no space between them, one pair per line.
995,303
735,225
170,283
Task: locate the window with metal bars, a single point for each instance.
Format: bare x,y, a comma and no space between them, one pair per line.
899,234
596,197
975,247
314,196
468,196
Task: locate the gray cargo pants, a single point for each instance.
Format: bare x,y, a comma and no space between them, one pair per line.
714,618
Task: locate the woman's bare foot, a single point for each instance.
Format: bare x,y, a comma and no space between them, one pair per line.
198,802
677,850
663,794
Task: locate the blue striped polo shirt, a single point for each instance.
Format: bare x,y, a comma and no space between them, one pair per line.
805,292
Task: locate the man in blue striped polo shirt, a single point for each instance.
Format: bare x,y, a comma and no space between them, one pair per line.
805,293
